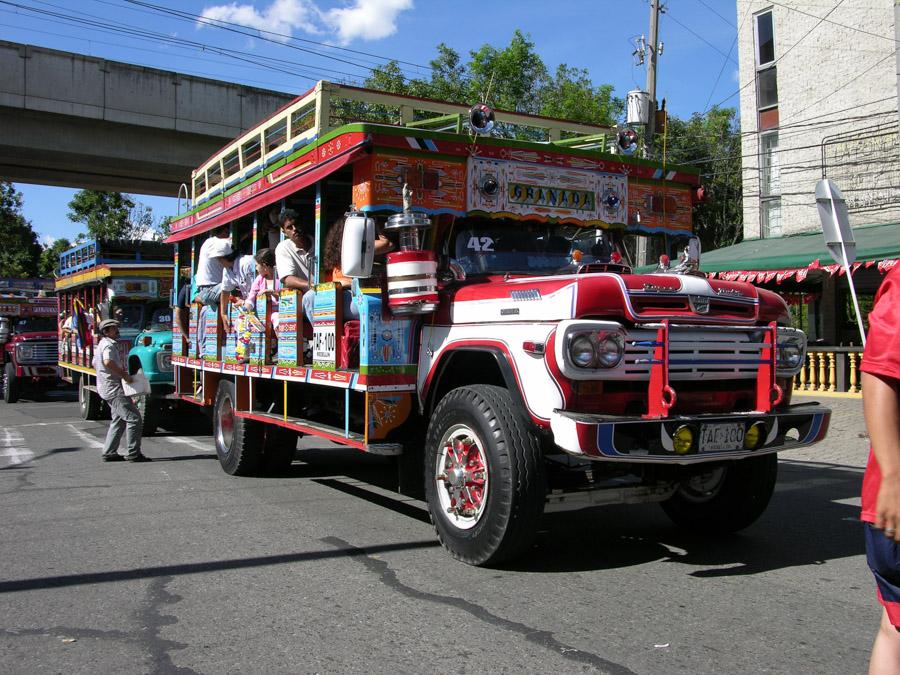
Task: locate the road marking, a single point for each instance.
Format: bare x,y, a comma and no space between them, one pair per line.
36,424
178,440
12,445
87,438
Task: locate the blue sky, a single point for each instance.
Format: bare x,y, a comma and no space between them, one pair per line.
695,70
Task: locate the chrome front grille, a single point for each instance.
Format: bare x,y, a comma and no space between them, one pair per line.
42,352
694,354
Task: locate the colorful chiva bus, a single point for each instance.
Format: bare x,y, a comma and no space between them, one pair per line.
130,281
504,351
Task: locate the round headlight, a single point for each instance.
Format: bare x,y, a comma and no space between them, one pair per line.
581,351
790,355
610,349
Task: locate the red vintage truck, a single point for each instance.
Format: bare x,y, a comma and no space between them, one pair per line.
508,355
28,328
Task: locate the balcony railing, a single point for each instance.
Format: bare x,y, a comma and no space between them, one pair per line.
830,370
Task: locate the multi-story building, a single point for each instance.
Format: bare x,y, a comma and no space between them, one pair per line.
818,97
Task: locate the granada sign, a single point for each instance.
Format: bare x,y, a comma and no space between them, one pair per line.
534,195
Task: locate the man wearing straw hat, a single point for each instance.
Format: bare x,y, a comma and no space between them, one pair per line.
125,415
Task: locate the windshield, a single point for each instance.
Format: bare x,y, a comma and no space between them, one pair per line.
162,319
34,324
129,316
484,246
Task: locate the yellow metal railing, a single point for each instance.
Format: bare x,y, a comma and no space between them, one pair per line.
830,370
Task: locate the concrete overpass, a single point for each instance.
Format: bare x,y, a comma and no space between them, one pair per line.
79,121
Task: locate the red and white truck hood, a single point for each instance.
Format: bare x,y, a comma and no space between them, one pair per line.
634,298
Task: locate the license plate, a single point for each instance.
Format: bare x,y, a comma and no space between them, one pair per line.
718,437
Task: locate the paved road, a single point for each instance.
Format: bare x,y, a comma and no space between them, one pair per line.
176,567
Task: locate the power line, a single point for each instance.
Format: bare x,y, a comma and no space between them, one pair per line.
725,62
700,37
835,23
119,28
221,23
717,14
775,62
850,81
234,28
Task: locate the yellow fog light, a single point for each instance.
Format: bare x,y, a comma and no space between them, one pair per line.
682,440
753,437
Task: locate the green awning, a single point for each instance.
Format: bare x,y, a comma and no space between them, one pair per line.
873,243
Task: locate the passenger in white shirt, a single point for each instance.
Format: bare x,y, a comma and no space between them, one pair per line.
211,266
237,278
292,260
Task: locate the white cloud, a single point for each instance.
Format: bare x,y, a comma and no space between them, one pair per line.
282,16
361,20
366,19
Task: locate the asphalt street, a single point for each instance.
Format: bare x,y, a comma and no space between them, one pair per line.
176,567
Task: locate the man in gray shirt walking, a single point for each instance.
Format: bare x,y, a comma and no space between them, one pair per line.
111,371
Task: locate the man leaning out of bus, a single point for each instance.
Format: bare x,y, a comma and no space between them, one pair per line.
292,259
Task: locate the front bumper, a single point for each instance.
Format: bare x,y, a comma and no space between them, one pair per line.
635,439
36,370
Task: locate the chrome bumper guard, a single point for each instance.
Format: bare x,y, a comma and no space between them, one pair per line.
636,439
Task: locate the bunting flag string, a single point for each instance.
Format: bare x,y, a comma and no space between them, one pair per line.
799,273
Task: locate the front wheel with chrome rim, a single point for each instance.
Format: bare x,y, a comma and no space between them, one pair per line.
484,475
724,497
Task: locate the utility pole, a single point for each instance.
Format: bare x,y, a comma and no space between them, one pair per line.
641,257
653,49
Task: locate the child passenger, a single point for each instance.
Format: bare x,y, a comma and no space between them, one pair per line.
266,284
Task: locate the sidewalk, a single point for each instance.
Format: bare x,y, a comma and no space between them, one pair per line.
846,444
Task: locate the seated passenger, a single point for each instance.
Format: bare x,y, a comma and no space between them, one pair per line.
331,263
292,260
211,265
237,278
264,284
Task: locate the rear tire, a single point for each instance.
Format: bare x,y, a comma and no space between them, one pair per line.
484,476
89,401
239,441
725,498
10,384
149,409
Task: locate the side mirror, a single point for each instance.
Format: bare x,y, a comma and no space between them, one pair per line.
358,245
693,253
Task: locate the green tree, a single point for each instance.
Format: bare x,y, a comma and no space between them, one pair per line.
20,251
513,78
712,143
110,215
49,264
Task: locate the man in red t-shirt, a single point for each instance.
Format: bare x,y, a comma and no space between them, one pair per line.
881,483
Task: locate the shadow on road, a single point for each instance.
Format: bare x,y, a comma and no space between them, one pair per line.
37,458
63,581
805,524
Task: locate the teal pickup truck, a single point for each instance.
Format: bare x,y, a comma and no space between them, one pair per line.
152,352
